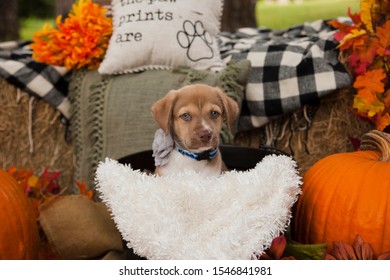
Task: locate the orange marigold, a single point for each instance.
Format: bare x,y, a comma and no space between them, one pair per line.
79,41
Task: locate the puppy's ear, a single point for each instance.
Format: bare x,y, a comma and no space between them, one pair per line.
230,107
162,110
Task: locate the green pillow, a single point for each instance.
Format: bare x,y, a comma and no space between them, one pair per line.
111,114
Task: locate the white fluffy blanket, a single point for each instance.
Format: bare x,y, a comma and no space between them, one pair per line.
189,216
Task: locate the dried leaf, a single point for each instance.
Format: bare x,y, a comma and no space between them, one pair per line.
32,181
353,37
368,110
355,142
359,250
265,257
370,84
83,189
355,17
330,257
357,246
51,175
382,121
343,29
358,64
364,51
384,256
342,251
277,247
11,170
386,98
367,253
365,13
384,39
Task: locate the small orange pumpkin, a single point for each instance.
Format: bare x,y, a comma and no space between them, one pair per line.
19,237
347,194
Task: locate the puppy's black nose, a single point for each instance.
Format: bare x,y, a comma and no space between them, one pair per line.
204,135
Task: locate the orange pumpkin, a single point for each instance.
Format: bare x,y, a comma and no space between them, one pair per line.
347,194
19,237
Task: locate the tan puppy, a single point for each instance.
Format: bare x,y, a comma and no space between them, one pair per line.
193,116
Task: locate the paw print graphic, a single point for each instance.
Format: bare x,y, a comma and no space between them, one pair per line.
196,40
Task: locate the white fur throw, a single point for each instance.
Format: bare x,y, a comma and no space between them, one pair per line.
189,216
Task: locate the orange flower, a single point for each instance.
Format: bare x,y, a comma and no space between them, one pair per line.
359,250
79,41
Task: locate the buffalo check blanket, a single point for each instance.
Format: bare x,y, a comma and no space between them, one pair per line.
40,80
289,69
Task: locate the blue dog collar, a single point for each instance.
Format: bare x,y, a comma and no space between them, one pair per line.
206,155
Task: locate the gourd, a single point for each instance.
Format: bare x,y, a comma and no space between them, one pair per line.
347,194
19,237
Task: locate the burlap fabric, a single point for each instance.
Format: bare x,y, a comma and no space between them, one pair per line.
78,228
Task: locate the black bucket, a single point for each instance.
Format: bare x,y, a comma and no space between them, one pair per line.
238,158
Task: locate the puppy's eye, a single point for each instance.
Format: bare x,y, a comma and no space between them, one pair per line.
186,117
214,114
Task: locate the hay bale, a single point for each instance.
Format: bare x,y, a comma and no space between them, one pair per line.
329,133
45,147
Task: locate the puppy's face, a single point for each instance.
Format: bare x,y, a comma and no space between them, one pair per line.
194,116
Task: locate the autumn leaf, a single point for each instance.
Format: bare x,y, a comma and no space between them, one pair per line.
350,38
362,249
355,142
50,182
355,17
277,247
370,84
276,250
39,189
383,33
363,53
83,189
343,29
384,256
365,50
365,13
383,121
342,251
386,98
369,110
358,64
21,176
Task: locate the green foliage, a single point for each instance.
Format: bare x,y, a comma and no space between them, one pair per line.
276,16
28,26
306,251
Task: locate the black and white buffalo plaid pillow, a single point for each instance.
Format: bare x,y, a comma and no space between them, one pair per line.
290,68
40,80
